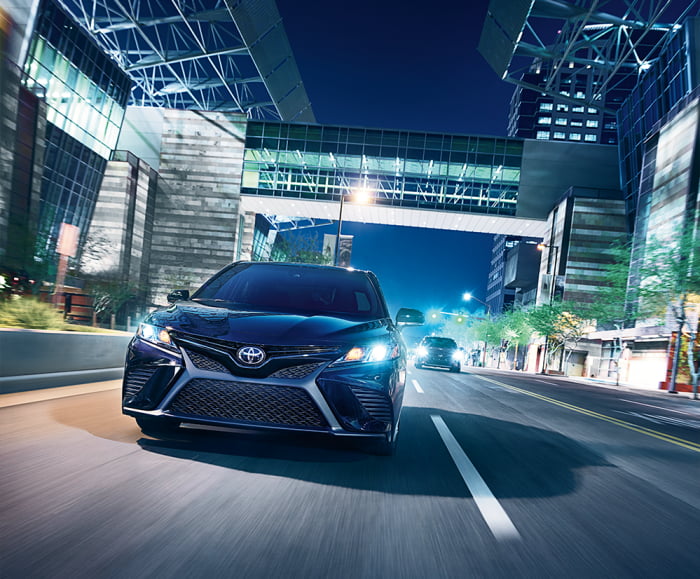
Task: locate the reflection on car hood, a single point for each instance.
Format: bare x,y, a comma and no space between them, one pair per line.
265,327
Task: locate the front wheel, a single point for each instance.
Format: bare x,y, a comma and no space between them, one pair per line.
386,446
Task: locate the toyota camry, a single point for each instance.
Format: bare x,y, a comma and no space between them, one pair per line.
274,346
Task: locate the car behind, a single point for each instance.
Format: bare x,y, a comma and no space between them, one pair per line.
439,352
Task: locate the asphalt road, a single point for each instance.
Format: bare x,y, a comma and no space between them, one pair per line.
497,474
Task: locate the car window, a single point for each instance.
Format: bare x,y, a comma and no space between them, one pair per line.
439,342
295,289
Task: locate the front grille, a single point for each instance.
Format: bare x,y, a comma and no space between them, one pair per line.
205,362
248,402
136,379
296,372
376,403
272,351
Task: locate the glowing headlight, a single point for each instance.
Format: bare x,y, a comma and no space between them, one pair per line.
155,335
422,351
371,353
457,356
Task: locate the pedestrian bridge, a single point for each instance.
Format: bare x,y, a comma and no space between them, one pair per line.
464,183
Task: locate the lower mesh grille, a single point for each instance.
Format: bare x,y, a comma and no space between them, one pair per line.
136,379
248,402
376,403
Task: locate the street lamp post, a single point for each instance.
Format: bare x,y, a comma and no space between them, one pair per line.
340,225
361,195
468,296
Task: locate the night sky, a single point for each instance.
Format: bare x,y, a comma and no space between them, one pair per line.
404,65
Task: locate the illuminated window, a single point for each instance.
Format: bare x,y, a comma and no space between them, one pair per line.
544,121
590,138
575,136
578,109
561,121
543,135
546,106
562,108
576,123
558,135
591,124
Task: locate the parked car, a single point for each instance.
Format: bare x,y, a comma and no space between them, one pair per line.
274,346
439,352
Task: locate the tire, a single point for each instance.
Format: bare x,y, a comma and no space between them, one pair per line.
456,369
157,427
386,446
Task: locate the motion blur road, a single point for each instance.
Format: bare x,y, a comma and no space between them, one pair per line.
497,474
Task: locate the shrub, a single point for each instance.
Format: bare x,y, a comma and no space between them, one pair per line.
30,313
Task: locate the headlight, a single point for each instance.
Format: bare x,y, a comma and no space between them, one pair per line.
457,356
155,335
422,351
371,353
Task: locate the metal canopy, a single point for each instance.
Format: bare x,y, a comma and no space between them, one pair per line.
200,54
616,39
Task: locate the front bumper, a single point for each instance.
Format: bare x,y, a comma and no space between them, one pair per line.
194,388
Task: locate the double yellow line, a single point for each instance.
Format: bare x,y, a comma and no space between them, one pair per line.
628,425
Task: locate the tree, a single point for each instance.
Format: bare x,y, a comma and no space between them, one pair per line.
563,324
668,280
488,331
516,331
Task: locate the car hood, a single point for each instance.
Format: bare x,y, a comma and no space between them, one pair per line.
266,327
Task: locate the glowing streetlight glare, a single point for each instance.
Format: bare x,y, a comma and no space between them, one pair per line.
467,296
361,195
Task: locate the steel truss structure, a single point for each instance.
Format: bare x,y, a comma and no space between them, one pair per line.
616,39
216,55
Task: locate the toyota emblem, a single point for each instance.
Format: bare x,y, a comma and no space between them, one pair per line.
251,355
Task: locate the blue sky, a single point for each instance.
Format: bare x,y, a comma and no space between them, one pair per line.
404,65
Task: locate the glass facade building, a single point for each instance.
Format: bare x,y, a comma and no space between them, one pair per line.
664,87
86,95
403,169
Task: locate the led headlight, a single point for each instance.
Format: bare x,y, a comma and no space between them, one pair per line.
457,356
371,353
421,351
155,334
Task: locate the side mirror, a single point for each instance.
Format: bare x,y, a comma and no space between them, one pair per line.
178,296
409,317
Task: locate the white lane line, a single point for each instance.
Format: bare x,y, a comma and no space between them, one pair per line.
417,387
496,518
659,407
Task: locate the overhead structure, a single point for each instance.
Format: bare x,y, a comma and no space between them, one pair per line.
215,55
617,39
287,223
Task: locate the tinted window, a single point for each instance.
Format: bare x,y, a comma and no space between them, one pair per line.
295,289
439,342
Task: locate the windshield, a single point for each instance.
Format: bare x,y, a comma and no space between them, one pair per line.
440,342
293,288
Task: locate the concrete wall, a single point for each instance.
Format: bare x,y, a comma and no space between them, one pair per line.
31,359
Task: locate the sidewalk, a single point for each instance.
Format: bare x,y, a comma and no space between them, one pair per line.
610,384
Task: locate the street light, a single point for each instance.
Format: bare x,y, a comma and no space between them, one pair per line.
468,296
361,195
